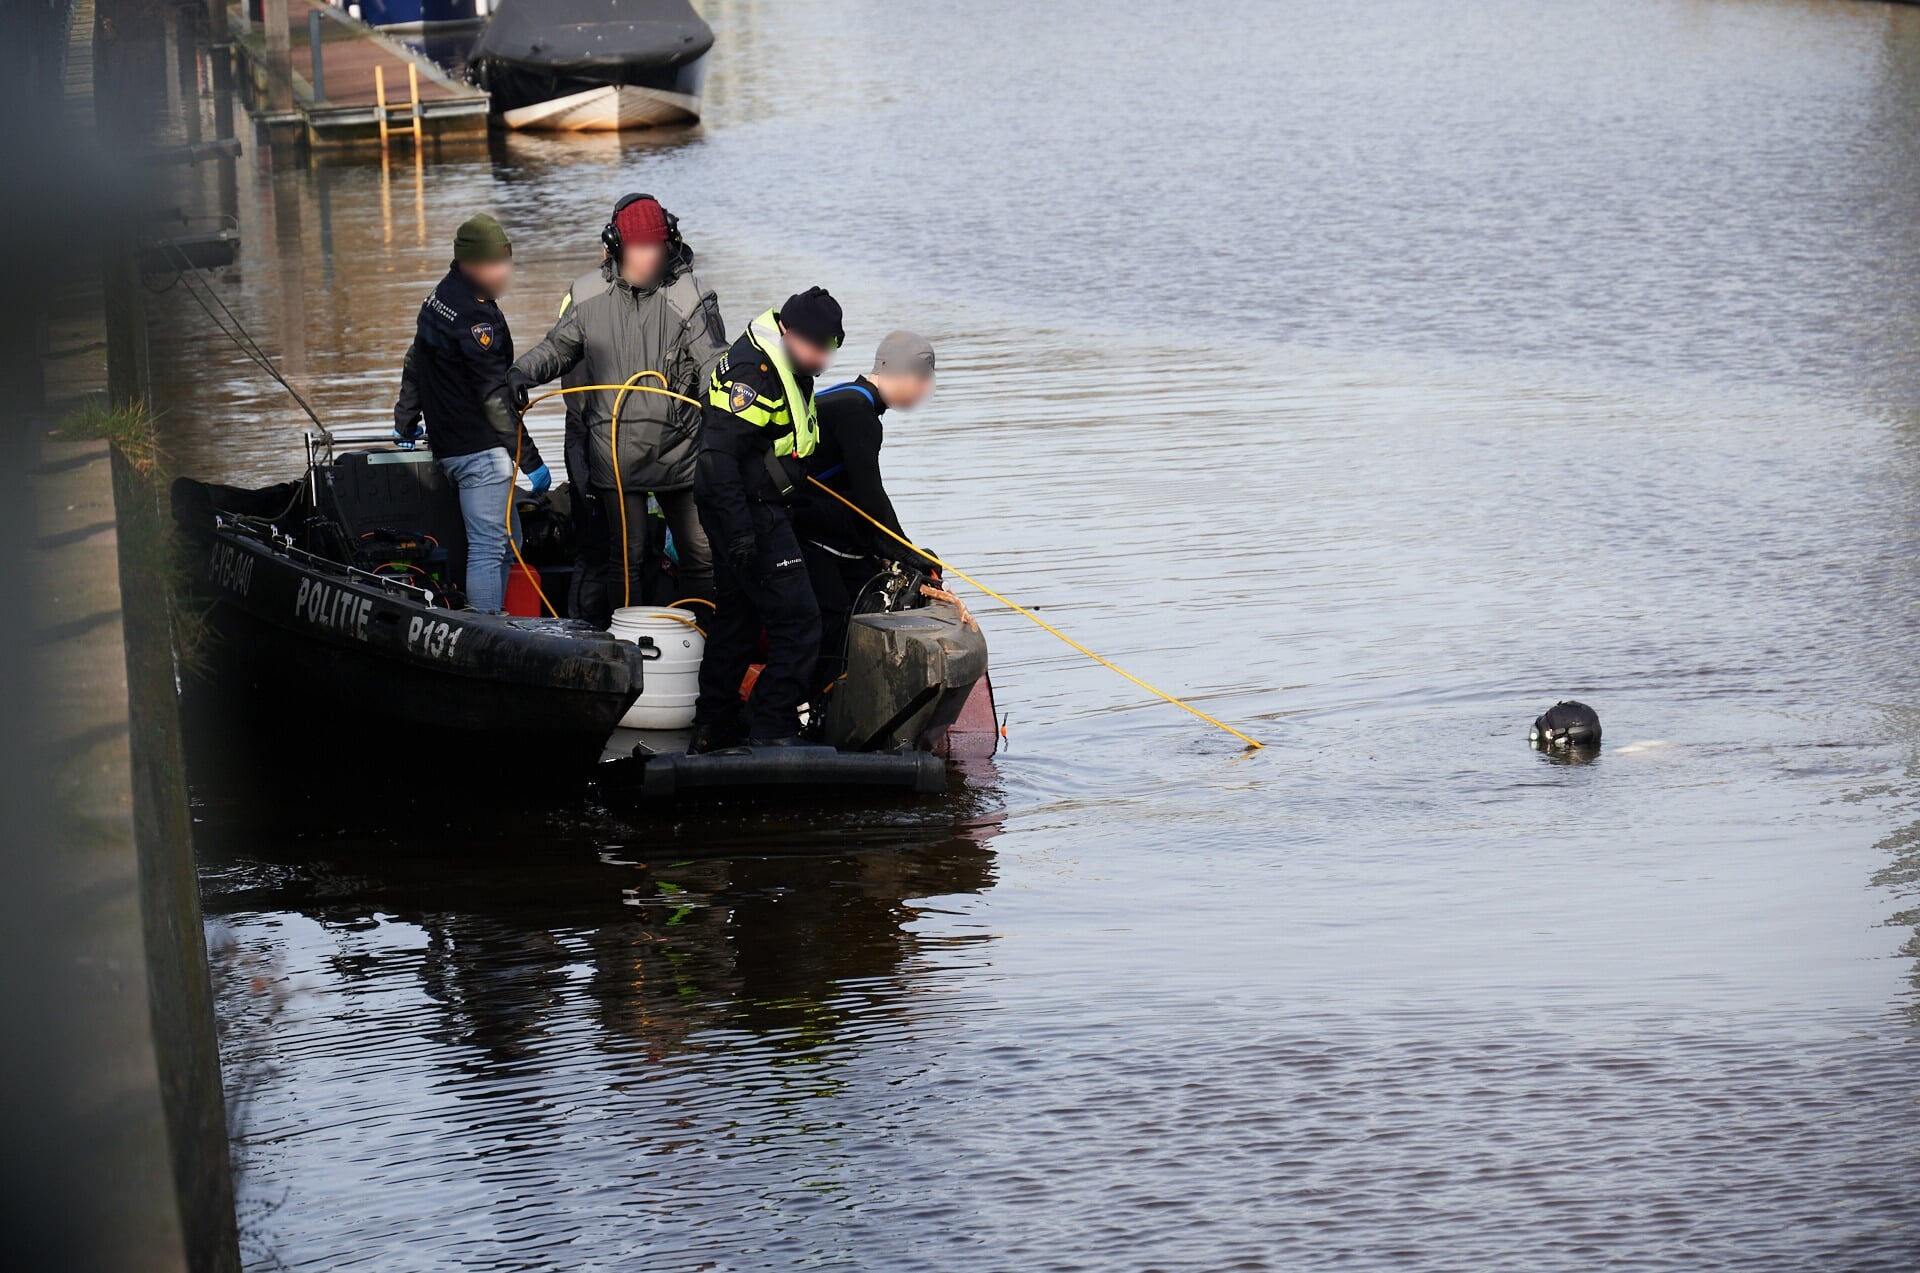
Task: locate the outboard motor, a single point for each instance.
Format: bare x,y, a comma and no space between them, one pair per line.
908,671
1566,726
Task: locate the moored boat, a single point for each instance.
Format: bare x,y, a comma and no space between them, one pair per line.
592,65
417,15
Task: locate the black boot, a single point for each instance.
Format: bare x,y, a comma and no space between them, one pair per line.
708,738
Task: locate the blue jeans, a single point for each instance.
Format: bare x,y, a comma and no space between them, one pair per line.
485,480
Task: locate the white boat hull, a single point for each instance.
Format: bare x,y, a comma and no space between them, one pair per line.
606,109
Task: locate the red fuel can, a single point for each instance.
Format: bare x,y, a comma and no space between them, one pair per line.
523,591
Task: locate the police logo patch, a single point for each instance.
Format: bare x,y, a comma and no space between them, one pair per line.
742,398
482,335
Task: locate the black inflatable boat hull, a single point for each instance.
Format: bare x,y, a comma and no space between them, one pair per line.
667,775
299,660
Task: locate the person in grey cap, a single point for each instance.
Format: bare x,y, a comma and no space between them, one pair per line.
842,551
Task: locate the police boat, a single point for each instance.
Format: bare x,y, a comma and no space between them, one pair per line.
323,623
320,626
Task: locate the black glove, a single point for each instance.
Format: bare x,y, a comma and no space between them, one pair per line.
743,552
518,388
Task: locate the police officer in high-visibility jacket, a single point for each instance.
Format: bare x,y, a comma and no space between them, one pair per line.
757,428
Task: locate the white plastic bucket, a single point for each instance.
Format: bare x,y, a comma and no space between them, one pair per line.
672,681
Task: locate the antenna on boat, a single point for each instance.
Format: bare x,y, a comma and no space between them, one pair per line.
242,339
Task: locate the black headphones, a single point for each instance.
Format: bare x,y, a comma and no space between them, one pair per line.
610,233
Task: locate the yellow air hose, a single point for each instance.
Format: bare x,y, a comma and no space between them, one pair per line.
520,439
631,387
1109,664
619,489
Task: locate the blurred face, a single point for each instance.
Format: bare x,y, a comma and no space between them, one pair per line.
641,263
904,392
491,277
807,356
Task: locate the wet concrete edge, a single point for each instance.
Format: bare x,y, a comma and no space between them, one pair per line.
112,1104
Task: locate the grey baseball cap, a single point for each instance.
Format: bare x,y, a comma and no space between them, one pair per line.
903,354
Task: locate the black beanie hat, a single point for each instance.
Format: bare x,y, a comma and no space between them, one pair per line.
813,315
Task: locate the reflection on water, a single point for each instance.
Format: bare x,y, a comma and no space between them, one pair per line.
623,1001
1376,376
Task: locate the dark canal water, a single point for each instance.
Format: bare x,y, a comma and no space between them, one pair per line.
1376,375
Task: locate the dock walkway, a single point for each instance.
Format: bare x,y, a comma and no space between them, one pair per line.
346,116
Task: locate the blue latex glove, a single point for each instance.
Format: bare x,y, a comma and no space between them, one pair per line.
408,437
541,479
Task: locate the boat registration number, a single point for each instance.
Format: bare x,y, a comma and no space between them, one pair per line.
231,569
433,637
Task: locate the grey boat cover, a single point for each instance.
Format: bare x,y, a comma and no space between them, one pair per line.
567,35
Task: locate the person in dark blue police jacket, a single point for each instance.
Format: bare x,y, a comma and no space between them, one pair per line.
459,375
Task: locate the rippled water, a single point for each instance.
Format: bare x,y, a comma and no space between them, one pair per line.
1376,375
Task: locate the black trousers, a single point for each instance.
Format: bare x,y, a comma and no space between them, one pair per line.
837,582
587,598
648,584
776,595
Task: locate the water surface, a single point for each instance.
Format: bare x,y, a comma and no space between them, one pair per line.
1374,375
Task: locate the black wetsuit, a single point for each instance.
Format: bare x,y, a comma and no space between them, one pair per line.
843,552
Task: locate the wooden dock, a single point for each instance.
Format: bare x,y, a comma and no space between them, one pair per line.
356,62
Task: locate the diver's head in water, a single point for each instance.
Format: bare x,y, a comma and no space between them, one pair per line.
1566,726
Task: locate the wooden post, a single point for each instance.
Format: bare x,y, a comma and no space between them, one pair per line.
273,16
413,92
220,58
128,383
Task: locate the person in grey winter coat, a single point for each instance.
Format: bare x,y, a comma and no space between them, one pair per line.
643,310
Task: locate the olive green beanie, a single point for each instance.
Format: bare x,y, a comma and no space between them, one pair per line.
480,238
